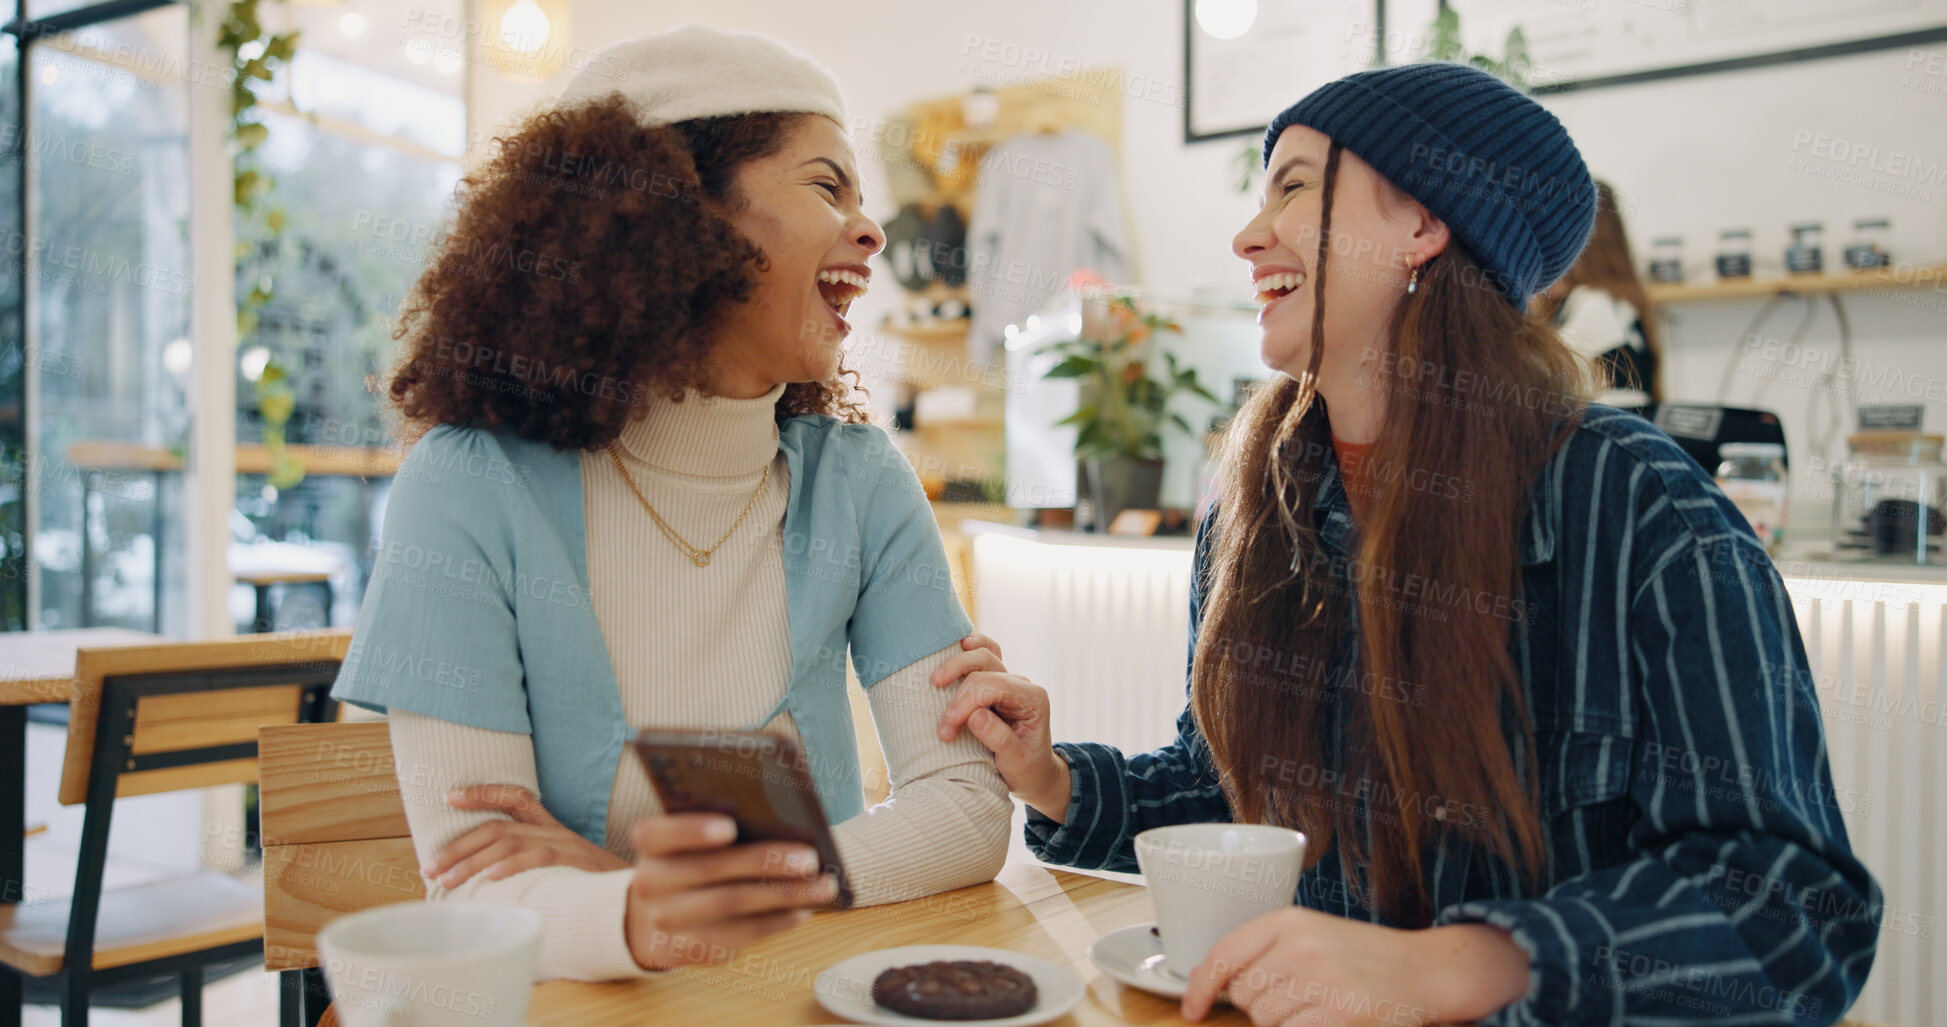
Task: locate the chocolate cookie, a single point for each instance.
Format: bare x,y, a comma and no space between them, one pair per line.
955,990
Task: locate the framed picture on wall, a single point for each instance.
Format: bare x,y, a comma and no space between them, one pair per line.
1582,44
1246,60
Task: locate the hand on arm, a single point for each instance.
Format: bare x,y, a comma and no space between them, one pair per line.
1119,795
502,848
1009,715
945,823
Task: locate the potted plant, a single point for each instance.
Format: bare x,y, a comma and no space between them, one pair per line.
1119,424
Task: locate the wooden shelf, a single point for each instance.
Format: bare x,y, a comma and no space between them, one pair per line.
1851,281
982,423
252,458
953,332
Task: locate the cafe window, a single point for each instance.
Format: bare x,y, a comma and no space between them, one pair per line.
364,179
13,386
105,153
95,371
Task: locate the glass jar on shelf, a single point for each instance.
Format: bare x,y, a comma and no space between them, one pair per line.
1867,250
1734,253
1753,477
1806,254
1889,502
1666,259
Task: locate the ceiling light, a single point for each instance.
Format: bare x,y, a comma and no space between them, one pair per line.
524,27
178,356
1226,19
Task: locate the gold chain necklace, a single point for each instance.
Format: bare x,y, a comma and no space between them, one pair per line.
700,557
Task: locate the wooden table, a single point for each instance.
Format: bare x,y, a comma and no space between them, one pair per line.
1043,912
38,666
1029,908
35,667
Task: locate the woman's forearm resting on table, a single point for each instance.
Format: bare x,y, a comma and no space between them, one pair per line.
943,827
945,824
582,913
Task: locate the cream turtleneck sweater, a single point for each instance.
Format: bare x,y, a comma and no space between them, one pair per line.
707,647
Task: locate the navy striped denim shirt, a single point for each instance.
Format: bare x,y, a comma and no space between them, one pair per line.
1698,870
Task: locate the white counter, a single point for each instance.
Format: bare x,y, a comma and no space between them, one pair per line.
1809,564
1070,537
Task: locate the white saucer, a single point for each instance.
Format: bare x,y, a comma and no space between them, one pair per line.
845,988
1134,956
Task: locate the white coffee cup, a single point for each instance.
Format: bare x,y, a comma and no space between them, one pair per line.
432,964
1207,880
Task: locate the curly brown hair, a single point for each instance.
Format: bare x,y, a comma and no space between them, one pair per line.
590,260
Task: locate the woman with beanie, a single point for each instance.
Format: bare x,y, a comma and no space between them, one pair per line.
1511,662
644,494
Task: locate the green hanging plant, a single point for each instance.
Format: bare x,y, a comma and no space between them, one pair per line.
276,400
241,27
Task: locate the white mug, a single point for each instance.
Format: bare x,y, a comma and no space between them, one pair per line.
432,964
1207,880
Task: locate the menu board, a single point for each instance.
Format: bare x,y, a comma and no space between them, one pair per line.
1606,42
1236,86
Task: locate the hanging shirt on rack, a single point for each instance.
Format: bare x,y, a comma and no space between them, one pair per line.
1045,205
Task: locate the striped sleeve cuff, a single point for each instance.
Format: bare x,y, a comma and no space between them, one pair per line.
1095,835
1564,982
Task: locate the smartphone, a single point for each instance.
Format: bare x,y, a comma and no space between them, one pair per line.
755,778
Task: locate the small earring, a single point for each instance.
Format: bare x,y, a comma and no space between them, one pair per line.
1413,283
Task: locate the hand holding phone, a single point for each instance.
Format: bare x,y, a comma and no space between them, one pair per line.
757,779
695,898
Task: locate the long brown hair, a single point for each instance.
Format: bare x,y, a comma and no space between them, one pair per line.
584,276
1477,398
1609,264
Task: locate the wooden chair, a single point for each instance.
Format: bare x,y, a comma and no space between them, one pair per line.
163,718
335,842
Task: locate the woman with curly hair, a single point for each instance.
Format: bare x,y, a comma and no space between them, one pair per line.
641,492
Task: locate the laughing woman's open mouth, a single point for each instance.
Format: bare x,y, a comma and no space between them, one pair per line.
838,286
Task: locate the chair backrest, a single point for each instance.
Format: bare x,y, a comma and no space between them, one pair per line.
335,836
176,715
185,714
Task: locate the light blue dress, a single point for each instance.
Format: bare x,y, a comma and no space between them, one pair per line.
479,613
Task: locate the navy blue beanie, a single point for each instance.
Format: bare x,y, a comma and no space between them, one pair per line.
1493,164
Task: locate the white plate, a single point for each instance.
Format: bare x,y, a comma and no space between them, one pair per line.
1134,956
845,988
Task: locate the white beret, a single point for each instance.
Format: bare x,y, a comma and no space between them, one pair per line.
699,72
